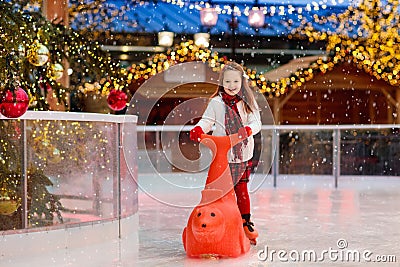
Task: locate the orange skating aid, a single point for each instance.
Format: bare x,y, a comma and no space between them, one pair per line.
215,227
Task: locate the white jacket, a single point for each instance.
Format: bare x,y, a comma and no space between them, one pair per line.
215,115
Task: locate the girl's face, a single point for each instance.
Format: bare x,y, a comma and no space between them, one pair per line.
232,82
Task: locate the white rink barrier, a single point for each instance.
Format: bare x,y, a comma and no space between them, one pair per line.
83,156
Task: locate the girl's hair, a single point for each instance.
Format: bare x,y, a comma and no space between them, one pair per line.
245,92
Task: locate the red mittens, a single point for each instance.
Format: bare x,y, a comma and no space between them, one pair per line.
245,131
196,133
248,131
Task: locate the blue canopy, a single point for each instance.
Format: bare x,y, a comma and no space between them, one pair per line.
155,16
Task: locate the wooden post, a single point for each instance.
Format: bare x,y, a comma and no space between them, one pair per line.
56,11
319,106
276,111
372,111
397,106
390,118
394,102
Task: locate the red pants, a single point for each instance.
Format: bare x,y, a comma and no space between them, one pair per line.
243,198
240,175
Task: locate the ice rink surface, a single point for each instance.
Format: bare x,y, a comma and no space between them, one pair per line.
304,221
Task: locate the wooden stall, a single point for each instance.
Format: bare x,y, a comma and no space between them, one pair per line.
344,95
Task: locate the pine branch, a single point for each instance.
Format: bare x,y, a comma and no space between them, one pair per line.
89,63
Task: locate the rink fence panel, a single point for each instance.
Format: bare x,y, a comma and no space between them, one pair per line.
281,150
83,156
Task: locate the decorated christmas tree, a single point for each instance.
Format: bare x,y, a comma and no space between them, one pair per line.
35,53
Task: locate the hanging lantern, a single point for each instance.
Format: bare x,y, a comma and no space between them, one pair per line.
256,18
38,54
208,17
165,38
117,100
56,71
202,39
14,104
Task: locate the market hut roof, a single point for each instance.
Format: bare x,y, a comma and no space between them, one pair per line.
290,68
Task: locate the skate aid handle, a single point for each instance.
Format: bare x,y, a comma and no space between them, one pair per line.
222,142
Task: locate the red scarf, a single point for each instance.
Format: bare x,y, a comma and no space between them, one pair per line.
233,122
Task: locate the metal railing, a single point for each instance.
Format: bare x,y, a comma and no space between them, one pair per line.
334,150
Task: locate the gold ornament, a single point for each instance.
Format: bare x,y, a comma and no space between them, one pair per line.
56,71
38,54
56,156
45,150
8,201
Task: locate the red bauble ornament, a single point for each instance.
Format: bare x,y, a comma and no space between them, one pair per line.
14,104
117,99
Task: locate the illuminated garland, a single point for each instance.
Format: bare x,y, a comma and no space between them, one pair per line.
297,79
229,7
188,51
184,52
367,36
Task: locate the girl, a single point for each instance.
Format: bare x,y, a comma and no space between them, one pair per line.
233,109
